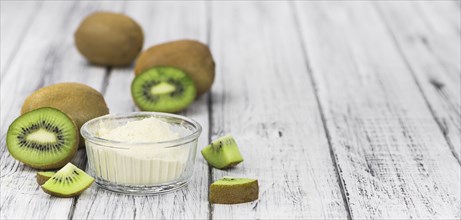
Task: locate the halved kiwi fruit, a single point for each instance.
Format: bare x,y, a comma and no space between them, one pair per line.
191,56
222,153
44,176
77,100
231,190
69,181
45,138
163,89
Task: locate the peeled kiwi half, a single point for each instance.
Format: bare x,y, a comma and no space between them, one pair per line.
163,89
109,39
79,101
231,190
222,153
42,177
191,56
69,181
45,138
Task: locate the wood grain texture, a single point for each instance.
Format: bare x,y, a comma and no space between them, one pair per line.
392,156
46,56
264,98
13,26
323,98
434,56
161,21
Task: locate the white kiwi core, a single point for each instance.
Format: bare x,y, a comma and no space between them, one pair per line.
42,136
162,88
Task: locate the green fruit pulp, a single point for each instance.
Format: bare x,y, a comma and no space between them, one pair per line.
162,88
233,181
46,173
222,153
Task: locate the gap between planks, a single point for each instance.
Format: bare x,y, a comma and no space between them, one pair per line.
84,163
208,8
321,110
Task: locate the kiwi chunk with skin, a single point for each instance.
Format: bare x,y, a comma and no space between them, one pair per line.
231,190
45,138
69,181
42,177
222,153
163,89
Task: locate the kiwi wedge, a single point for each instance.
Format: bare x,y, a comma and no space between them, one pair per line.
77,100
69,181
163,89
42,177
109,39
231,190
45,138
222,153
193,57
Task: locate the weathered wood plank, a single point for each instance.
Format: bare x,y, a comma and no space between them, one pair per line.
46,56
263,96
392,156
433,55
161,21
16,17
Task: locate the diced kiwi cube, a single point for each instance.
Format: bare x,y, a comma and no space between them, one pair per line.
230,190
222,153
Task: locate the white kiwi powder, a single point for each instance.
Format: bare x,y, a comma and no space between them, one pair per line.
135,163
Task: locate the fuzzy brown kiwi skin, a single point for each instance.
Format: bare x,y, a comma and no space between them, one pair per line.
80,102
64,161
67,196
191,56
109,39
252,190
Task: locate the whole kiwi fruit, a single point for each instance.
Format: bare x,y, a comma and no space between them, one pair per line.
190,56
79,101
109,39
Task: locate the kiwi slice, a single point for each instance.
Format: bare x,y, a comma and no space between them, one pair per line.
69,181
222,153
45,138
42,177
231,190
163,89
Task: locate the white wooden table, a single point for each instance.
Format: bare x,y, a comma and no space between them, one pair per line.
342,109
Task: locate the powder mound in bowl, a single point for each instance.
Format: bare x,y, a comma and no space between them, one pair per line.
145,130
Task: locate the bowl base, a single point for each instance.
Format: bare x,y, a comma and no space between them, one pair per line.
141,190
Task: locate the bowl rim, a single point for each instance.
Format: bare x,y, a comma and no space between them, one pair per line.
88,136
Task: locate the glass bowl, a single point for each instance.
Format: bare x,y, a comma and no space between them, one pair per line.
141,167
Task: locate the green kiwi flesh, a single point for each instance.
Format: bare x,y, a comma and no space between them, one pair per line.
45,138
231,190
222,153
69,181
42,177
163,89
